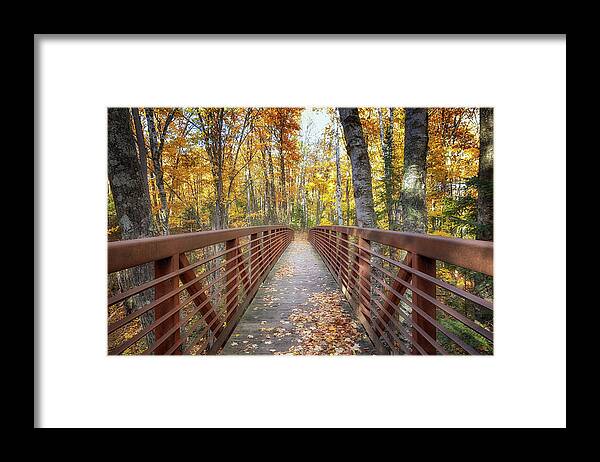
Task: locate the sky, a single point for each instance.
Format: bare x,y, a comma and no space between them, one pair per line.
313,123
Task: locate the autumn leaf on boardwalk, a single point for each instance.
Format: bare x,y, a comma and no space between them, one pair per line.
284,272
325,328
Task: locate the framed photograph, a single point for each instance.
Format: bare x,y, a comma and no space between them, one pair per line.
283,232
300,231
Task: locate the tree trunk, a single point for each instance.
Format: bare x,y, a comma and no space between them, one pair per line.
249,197
220,215
131,203
284,203
267,191
125,177
483,285
272,197
338,180
347,201
304,222
141,144
387,143
319,210
158,172
414,206
485,194
356,147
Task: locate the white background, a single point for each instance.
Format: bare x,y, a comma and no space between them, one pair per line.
523,384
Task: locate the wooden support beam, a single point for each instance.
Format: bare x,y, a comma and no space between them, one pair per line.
355,279
161,268
427,266
343,255
364,271
338,256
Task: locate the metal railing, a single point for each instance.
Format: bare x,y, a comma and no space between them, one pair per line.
390,279
184,294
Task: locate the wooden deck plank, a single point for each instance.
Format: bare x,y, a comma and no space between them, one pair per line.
298,286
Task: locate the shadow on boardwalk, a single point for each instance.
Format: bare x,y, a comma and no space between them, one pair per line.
299,310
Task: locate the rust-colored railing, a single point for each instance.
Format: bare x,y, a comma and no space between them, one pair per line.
390,279
184,294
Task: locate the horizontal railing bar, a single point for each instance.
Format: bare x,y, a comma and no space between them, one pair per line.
472,254
174,329
181,340
359,279
137,313
134,252
433,342
405,315
148,285
384,333
451,311
235,315
261,258
358,301
217,319
268,247
363,302
261,269
123,346
140,311
443,284
386,324
238,264
455,314
409,335
423,314
366,302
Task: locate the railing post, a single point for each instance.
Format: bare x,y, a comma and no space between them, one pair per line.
344,260
364,272
254,257
231,279
331,241
355,271
162,267
324,244
336,253
427,266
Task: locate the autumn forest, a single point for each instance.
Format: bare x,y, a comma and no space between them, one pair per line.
285,221
216,168
427,171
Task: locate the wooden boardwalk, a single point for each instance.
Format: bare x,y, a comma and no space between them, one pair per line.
299,309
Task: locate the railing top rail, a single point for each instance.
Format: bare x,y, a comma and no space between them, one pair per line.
134,252
467,253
